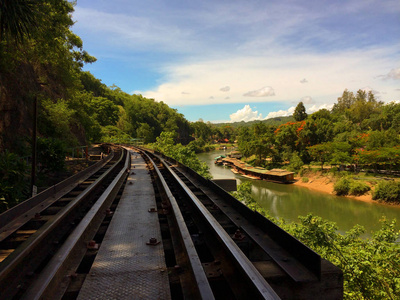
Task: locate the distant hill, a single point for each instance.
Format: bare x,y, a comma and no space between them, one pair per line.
272,122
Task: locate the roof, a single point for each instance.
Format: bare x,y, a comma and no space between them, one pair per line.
240,164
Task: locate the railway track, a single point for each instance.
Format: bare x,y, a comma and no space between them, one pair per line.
214,247
243,255
46,235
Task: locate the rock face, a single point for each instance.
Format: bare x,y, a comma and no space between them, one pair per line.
17,91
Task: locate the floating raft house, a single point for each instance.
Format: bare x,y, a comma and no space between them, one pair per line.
275,175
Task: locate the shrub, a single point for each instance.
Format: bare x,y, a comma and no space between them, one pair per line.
13,183
295,162
51,154
358,188
342,186
388,191
304,179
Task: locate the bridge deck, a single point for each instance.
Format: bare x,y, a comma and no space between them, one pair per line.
126,267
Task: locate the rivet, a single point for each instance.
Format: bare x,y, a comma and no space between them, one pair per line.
92,245
152,242
238,235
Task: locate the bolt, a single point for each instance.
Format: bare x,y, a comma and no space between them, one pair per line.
152,209
92,245
178,268
109,212
152,242
238,235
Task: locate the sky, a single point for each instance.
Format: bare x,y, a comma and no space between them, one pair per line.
243,60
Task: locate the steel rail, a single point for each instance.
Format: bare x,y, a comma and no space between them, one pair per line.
48,284
15,261
203,285
305,264
292,267
258,281
14,218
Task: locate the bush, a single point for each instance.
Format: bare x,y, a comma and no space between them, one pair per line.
51,154
388,191
304,179
295,162
358,188
342,186
346,186
13,183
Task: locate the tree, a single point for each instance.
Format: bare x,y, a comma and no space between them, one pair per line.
300,112
17,19
321,153
145,132
185,155
344,102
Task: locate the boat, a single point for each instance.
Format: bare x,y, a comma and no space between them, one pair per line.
248,171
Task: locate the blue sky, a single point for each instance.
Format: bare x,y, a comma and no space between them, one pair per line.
222,60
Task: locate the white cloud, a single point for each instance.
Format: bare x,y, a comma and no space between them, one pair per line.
225,89
272,43
330,75
266,91
281,113
393,74
315,108
307,100
290,111
245,114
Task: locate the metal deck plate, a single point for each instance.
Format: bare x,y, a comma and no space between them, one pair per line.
126,267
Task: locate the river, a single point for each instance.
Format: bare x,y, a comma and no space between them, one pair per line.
288,201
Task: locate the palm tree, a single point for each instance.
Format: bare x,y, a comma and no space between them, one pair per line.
17,18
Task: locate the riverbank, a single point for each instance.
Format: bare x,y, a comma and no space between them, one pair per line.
324,183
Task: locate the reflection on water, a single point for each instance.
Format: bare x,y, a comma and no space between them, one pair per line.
290,201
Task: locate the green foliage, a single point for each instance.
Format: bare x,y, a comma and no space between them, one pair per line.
104,111
358,188
347,186
184,154
300,112
388,191
157,115
17,19
342,186
112,134
50,154
202,130
13,183
295,163
54,126
371,267
243,194
305,179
